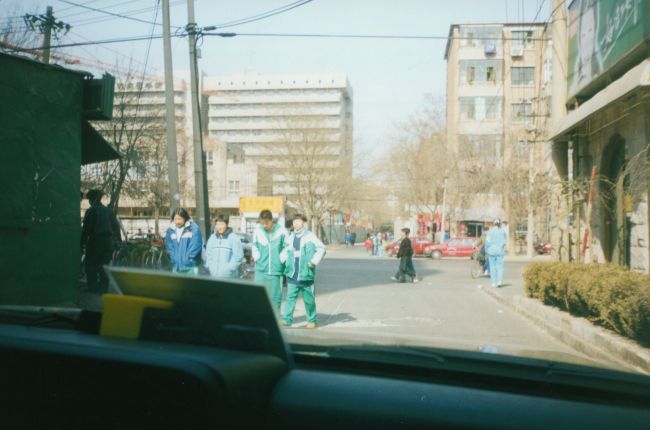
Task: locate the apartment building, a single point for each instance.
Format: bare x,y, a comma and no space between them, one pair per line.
498,92
267,120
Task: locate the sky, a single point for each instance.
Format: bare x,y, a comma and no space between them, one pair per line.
389,78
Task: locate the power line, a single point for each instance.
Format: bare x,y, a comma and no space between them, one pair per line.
360,36
129,13
260,16
110,13
87,11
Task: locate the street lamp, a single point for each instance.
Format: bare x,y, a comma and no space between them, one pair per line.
444,209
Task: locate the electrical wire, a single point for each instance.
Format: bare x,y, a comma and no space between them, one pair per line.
129,13
261,16
87,11
359,36
110,13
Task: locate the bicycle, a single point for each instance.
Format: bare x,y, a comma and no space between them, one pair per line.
479,261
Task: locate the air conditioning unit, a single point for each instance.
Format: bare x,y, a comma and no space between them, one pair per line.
490,49
517,51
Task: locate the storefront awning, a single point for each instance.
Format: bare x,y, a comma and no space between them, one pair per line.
94,148
483,214
637,77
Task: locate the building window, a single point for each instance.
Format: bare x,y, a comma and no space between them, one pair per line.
470,74
522,39
480,108
522,111
523,75
233,188
209,156
480,35
488,71
491,74
521,150
486,147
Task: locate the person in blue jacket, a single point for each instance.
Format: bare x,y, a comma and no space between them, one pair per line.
224,251
184,243
495,248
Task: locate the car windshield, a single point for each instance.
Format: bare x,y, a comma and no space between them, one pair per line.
295,145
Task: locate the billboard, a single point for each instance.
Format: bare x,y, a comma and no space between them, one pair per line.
603,36
258,204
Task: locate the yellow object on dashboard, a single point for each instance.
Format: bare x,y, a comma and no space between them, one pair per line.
122,316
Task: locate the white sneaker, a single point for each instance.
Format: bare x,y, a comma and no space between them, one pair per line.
494,286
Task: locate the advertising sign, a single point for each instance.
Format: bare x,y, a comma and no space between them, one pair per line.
601,34
258,204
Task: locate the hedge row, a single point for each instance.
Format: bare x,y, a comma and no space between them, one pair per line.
608,295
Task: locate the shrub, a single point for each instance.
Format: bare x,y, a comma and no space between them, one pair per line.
608,295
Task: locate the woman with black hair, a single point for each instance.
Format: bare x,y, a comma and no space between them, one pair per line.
183,242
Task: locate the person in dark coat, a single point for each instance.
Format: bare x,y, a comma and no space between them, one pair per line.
99,228
405,255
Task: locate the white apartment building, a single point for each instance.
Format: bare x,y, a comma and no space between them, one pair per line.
498,93
260,118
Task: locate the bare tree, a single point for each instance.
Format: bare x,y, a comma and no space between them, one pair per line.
137,133
418,162
311,168
14,32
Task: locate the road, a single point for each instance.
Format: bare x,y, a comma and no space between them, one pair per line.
356,299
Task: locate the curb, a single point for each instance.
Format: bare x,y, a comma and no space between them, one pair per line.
579,333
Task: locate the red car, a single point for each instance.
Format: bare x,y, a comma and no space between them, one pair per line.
419,246
457,247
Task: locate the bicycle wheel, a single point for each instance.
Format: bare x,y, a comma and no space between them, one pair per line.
477,268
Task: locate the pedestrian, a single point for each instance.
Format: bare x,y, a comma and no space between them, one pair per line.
368,245
224,251
405,255
288,228
495,248
302,254
269,240
353,238
184,243
375,244
380,245
348,238
99,229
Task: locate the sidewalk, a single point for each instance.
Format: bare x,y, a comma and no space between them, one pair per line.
578,333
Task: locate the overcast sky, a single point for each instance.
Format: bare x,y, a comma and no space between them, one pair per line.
390,78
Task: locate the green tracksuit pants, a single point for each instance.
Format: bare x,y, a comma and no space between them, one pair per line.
273,285
308,296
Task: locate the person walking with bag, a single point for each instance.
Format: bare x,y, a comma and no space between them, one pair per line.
302,254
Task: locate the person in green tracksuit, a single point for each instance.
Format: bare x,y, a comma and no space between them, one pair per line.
302,254
268,242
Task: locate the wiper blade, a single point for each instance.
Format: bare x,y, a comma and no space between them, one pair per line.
373,352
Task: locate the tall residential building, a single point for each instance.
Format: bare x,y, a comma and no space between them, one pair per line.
264,120
498,91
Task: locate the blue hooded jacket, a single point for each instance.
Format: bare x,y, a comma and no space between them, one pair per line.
495,243
223,254
184,246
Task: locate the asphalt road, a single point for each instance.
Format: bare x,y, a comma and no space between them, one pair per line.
357,300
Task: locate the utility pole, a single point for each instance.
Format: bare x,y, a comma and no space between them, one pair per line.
47,35
444,210
46,24
170,109
531,183
558,108
202,215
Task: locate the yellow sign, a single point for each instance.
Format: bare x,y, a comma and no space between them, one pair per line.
258,204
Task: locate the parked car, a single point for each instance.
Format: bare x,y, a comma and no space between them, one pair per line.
419,246
457,247
544,248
